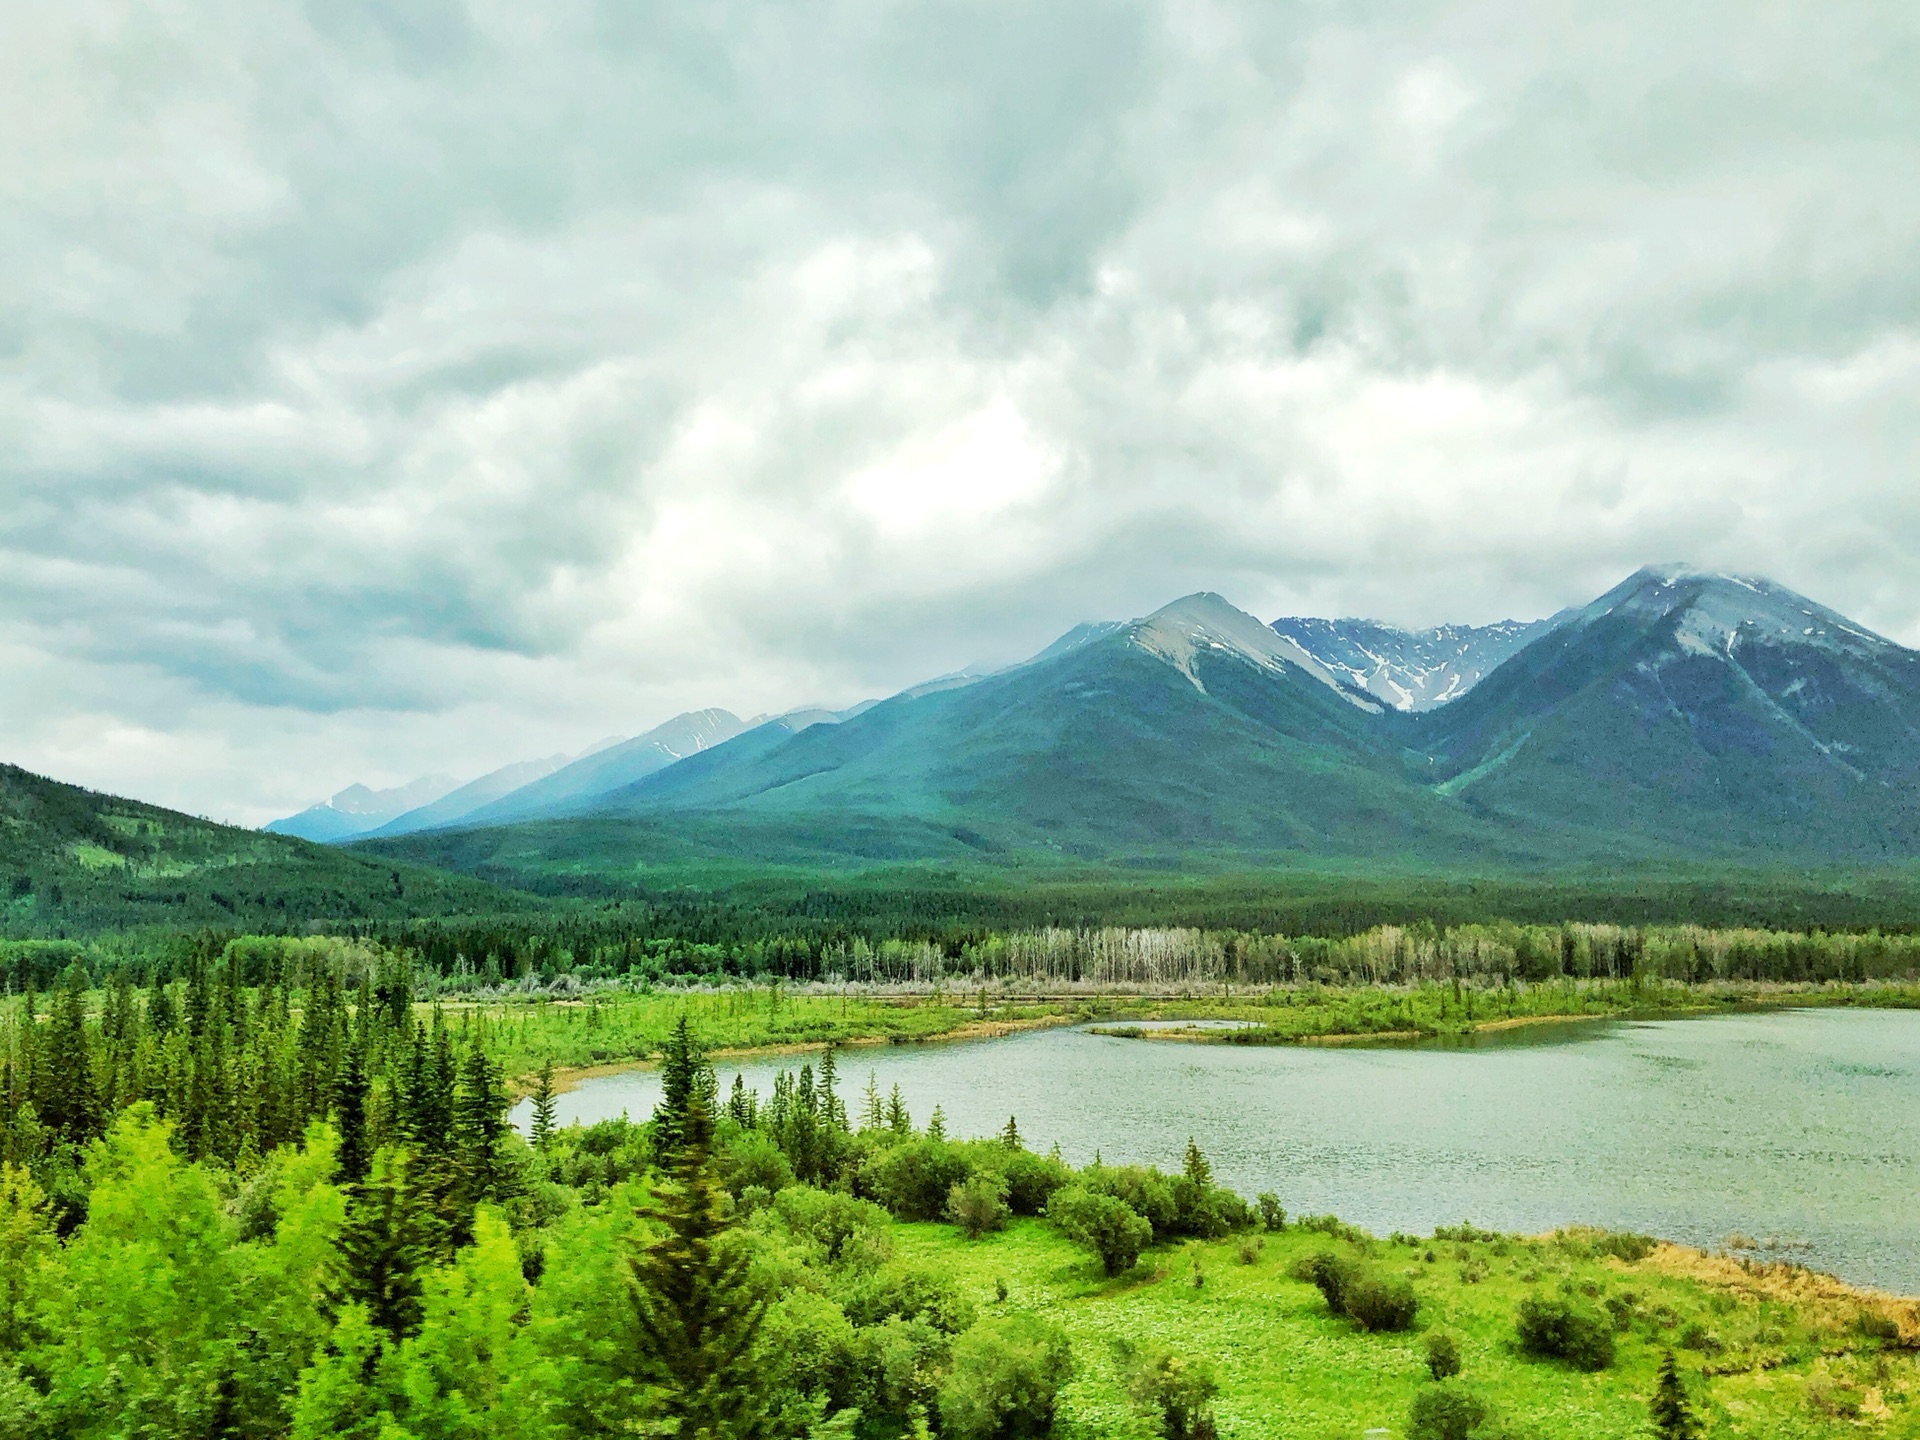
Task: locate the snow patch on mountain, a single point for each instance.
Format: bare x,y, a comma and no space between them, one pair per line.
1409,669
1716,613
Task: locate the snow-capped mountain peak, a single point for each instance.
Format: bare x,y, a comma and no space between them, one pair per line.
1715,613
1180,631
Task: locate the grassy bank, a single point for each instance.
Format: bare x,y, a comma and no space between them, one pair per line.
1769,1353
619,1027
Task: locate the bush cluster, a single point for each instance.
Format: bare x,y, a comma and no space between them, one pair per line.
1557,1329
1373,1301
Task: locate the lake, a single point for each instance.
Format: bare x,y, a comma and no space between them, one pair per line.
1802,1125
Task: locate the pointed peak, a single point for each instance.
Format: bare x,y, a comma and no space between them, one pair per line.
1177,633
1712,610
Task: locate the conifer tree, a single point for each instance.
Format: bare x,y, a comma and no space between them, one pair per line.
542,1129
697,1318
479,1125
898,1120
937,1125
833,1115
350,1111
1010,1136
872,1117
161,1019
680,1065
383,1250
1197,1168
1673,1417
66,1103
742,1105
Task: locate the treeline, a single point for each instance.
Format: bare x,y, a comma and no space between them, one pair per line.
444,958
240,1056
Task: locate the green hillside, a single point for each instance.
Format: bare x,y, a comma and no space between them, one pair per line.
75,862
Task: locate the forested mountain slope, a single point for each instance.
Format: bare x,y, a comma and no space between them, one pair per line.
73,861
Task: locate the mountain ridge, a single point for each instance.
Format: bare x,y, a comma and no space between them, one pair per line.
1786,730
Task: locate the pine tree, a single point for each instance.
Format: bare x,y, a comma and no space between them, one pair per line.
66,1102
543,1107
161,1019
898,1120
1673,1417
872,1116
743,1106
697,1318
1197,1168
383,1250
937,1125
1010,1137
680,1066
479,1125
833,1114
350,1113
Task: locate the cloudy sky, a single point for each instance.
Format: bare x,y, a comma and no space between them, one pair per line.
392,386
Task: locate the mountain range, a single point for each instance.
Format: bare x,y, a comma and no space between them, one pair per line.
1683,716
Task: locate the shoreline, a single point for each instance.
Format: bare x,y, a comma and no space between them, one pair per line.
570,1077
1787,1281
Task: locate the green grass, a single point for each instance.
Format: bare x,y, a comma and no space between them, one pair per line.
1288,1369
625,1028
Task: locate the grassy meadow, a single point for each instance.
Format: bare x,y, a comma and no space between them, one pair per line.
1769,1353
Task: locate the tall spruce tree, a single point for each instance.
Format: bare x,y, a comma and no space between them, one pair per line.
66,1102
479,1125
680,1066
542,1130
350,1117
697,1317
1196,1168
1673,1417
383,1250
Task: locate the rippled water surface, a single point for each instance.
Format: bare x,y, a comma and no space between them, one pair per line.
1799,1124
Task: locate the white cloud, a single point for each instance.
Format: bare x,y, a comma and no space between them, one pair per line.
392,388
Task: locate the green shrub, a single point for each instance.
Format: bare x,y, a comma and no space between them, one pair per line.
978,1204
1005,1378
1443,1356
1144,1191
833,1221
911,1294
1031,1180
1558,1330
1109,1227
1445,1412
1271,1215
1372,1301
751,1158
1333,1227
1377,1302
913,1178
1176,1393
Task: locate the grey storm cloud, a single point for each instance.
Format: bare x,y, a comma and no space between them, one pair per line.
418,386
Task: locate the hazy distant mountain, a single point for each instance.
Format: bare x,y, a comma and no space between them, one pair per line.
576,786
1410,669
358,810
458,804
